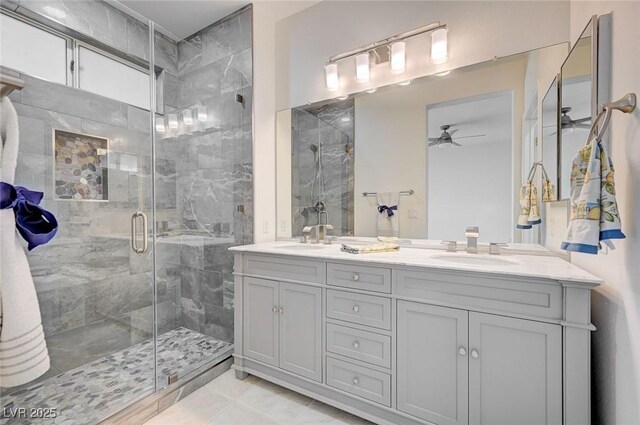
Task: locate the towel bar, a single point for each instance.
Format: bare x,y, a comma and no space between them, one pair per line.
402,192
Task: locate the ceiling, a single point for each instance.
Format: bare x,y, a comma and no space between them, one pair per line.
488,114
184,17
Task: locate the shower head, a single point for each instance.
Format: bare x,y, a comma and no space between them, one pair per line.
314,148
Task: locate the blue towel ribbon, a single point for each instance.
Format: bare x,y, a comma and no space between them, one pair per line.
389,210
36,225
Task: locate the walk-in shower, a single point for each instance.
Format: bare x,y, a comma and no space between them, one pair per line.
170,120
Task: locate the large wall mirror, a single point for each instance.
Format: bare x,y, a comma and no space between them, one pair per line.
450,147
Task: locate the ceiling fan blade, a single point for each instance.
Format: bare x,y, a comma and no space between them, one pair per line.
580,120
434,139
452,132
467,137
455,144
554,133
433,143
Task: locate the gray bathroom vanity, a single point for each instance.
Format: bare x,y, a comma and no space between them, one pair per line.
418,336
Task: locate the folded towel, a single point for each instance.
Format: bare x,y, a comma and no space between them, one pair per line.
387,214
594,210
23,350
382,247
529,208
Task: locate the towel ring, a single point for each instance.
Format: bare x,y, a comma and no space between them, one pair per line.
625,104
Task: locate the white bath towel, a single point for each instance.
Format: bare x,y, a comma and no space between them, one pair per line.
23,350
388,214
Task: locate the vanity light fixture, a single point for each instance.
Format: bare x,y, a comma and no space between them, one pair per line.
439,46
331,76
372,90
362,67
345,97
202,113
172,121
392,49
187,117
443,73
405,83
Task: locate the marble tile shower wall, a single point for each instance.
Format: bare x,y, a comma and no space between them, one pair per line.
331,125
205,178
95,294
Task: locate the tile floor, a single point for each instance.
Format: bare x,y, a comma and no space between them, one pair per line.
230,401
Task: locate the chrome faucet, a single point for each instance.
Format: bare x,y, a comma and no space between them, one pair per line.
472,235
319,232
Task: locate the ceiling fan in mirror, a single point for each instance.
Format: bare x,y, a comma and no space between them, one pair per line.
445,139
568,124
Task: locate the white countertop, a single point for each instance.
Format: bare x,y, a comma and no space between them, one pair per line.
539,266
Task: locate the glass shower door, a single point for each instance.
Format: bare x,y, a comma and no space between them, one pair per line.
88,150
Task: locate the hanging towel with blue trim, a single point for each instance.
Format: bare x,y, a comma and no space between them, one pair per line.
529,208
594,210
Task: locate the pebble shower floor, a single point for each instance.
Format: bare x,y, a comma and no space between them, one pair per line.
92,392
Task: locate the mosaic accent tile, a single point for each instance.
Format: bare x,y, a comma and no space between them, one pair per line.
81,163
92,392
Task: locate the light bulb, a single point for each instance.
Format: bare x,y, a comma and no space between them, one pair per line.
362,67
202,113
173,120
372,90
345,97
398,57
160,125
187,117
331,76
439,46
405,83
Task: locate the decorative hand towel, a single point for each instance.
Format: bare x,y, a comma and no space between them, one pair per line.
23,351
383,247
594,210
529,208
387,214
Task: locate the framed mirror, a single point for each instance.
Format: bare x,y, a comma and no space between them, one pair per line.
579,97
448,149
549,132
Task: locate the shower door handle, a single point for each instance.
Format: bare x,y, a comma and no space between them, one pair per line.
134,233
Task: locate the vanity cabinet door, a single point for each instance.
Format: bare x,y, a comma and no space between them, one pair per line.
432,363
261,311
300,330
515,371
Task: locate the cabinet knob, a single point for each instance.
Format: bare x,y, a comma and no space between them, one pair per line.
281,310
356,344
356,308
274,309
356,277
356,380
475,354
462,351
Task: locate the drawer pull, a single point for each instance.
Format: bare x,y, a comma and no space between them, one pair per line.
356,277
462,351
356,344
356,308
281,310
356,380
475,354
275,309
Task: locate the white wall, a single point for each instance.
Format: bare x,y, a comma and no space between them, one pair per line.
616,305
390,129
478,31
265,16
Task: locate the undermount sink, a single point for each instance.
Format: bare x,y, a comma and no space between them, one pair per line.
474,259
300,247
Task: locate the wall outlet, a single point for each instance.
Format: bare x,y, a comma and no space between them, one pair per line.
413,214
265,226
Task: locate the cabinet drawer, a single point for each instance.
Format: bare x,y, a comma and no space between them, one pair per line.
531,297
359,308
376,279
360,345
284,268
360,381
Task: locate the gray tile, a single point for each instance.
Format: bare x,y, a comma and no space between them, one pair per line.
137,38
237,71
200,84
166,53
189,54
